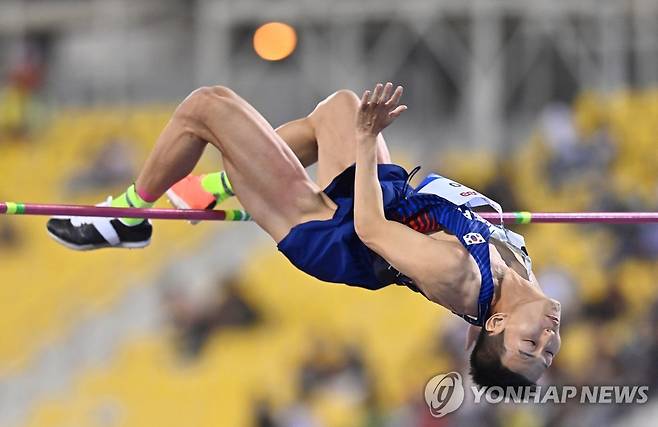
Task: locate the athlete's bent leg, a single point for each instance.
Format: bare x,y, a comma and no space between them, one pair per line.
327,134
267,177
298,134
265,174
327,130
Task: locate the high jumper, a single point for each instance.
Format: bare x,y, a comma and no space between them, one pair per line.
368,227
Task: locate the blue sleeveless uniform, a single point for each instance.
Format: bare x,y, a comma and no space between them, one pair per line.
330,250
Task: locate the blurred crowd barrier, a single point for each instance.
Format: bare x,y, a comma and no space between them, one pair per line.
273,347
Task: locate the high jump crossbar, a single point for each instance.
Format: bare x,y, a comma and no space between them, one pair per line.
12,208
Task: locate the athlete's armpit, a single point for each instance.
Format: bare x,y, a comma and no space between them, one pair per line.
420,257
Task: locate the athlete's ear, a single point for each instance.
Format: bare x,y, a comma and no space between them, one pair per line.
472,336
496,323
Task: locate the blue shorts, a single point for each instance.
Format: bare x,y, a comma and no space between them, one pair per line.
330,250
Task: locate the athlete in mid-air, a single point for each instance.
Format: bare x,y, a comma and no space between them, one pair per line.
367,228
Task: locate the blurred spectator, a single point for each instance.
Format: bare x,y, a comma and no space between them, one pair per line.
573,157
651,353
24,79
612,305
647,242
341,372
300,414
194,320
263,414
113,165
561,139
451,342
331,375
501,188
8,234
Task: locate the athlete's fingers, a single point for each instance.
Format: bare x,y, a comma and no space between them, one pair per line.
388,89
396,96
398,110
364,100
377,93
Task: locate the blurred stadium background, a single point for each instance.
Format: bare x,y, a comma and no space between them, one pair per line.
543,105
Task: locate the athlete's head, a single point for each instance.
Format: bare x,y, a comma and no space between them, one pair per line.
516,347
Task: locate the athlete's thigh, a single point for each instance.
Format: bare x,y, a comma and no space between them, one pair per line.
334,122
267,177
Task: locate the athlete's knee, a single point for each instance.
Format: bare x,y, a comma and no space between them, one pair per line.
346,96
207,102
340,102
343,99
211,93
223,91
203,107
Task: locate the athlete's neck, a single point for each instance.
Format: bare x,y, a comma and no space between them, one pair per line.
510,290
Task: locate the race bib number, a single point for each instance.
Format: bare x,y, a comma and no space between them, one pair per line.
458,194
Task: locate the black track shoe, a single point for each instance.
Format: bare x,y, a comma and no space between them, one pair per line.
87,233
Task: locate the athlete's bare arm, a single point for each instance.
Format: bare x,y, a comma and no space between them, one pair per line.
435,265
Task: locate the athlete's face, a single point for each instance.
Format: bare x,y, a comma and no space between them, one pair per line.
532,337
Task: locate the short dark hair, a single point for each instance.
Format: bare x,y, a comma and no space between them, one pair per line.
486,368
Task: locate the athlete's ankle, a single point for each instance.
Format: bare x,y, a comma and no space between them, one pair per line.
145,195
131,198
218,184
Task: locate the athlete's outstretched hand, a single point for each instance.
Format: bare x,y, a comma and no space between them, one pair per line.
379,108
